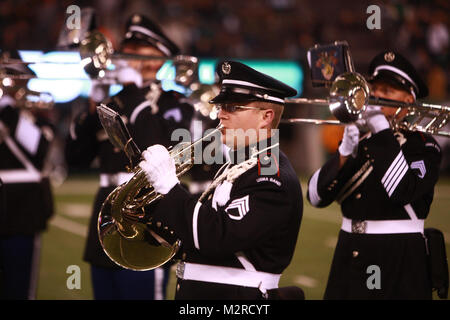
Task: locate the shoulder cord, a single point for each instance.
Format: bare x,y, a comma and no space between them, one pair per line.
231,174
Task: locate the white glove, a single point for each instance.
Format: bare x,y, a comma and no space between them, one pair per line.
159,168
126,74
375,119
349,141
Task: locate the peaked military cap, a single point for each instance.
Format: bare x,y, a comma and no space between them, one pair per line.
240,83
140,29
392,67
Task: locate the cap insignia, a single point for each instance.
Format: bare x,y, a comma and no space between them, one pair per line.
226,68
136,19
389,56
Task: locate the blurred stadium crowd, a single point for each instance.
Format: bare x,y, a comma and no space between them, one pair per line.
253,29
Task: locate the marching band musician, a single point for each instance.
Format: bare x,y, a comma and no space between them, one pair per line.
151,115
384,183
240,235
27,201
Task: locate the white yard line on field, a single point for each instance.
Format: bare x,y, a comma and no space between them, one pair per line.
76,210
306,281
70,226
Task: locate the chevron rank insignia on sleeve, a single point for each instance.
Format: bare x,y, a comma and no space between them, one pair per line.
419,165
238,208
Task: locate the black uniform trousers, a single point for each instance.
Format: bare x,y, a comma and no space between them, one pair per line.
19,266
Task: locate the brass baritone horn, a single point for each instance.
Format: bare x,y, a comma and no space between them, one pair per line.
128,235
95,52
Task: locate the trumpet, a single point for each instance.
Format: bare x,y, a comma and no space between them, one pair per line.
350,96
186,75
128,235
95,52
97,55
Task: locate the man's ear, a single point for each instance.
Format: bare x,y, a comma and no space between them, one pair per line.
267,116
409,99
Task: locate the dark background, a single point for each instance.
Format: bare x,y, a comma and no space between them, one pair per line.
254,29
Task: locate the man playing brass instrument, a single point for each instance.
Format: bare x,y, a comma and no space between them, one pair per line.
241,234
151,115
384,184
26,136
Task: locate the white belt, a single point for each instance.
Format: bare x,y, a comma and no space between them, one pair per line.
226,275
116,179
382,226
20,176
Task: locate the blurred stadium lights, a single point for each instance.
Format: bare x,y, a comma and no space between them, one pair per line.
289,72
60,73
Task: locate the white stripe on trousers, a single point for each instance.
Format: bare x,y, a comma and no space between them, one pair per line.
159,282
34,276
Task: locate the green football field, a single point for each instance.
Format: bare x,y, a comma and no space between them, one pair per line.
63,242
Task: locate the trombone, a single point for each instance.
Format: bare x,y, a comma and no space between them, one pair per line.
350,95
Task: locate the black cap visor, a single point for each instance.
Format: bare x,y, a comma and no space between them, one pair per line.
228,96
238,95
393,80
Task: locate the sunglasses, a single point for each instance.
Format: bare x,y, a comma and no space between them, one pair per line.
233,108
